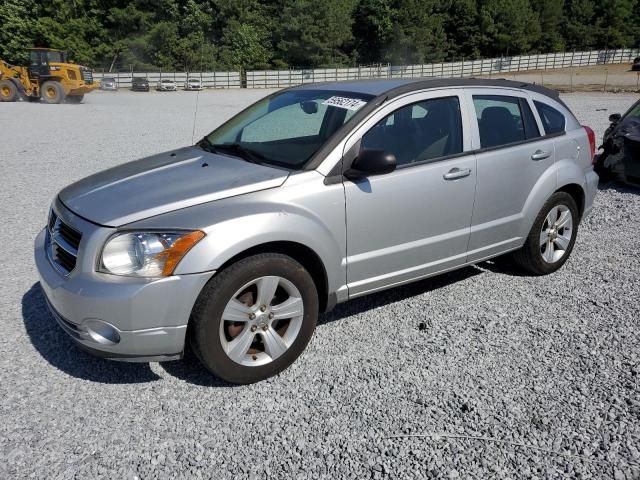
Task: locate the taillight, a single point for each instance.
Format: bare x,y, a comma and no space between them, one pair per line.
592,142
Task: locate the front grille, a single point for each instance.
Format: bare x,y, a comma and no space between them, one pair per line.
64,242
87,75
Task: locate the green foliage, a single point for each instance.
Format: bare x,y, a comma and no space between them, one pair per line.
310,32
372,29
550,20
617,23
579,24
418,33
462,27
16,30
507,27
245,34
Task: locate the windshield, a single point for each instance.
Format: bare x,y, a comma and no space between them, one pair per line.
56,57
634,112
288,128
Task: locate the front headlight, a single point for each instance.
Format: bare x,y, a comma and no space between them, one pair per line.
146,254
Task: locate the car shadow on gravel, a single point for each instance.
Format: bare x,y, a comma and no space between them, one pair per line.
397,294
190,370
59,350
618,186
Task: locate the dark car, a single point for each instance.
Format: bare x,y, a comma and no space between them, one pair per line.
140,84
620,158
636,65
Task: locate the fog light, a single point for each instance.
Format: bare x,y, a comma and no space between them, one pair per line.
101,332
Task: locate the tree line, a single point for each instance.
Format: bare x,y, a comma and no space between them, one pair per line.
246,34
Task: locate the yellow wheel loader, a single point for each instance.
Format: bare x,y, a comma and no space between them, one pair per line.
49,77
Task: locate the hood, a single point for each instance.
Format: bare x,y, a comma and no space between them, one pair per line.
163,183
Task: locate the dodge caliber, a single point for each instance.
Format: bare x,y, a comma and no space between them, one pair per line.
310,197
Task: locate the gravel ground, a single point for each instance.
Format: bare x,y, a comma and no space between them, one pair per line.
480,373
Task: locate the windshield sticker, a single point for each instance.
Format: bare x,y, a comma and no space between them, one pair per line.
346,103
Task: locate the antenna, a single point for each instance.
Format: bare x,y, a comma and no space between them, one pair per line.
195,113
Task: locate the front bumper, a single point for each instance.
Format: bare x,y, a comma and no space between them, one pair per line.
120,318
83,88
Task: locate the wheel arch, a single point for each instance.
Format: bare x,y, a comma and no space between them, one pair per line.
16,82
577,193
304,255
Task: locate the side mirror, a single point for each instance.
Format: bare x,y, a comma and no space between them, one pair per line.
372,162
615,117
309,107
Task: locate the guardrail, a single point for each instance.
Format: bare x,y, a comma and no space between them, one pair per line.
208,79
470,68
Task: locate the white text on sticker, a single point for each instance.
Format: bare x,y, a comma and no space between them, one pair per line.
343,102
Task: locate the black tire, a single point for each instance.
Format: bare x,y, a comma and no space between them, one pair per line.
530,257
75,98
52,92
207,316
8,91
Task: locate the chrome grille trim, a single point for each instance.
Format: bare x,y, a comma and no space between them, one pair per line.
87,75
62,246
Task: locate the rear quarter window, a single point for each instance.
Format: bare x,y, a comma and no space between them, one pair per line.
552,120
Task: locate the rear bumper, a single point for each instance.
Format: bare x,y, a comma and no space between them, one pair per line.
120,318
591,179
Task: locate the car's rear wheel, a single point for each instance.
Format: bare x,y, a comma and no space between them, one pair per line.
254,318
552,236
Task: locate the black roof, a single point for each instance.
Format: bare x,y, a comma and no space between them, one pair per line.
394,87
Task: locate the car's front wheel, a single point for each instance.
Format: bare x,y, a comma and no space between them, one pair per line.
254,318
552,236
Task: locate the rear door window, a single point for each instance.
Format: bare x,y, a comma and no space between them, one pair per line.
552,120
500,120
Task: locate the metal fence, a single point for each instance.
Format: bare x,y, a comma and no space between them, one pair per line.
463,68
470,68
208,79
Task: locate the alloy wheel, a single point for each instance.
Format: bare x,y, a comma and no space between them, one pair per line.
556,234
261,321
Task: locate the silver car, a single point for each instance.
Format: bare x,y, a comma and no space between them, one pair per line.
310,197
166,85
109,83
193,84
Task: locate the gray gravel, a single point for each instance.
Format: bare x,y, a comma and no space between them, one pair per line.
481,373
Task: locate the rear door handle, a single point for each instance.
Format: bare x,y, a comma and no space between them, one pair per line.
456,173
540,155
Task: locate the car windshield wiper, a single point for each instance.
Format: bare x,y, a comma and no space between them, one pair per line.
206,145
243,152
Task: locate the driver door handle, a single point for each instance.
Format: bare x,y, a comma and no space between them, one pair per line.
540,155
456,173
